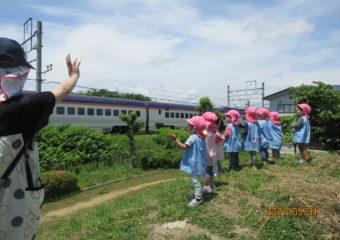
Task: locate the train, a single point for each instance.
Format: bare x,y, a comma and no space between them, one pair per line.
103,113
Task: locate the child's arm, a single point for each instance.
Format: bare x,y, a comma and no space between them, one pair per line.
178,142
227,132
64,88
298,124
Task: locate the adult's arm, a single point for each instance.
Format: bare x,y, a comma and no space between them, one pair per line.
65,88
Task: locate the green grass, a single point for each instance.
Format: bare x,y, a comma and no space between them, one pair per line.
237,209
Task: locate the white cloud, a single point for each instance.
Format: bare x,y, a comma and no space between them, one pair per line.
174,50
274,30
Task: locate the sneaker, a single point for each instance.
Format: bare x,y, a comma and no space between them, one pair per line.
194,202
206,189
301,160
213,186
190,197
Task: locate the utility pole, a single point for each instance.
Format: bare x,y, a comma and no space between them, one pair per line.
263,94
228,97
28,47
39,56
250,93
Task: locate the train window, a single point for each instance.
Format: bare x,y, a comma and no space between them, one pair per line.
90,111
195,114
138,113
182,115
115,112
159,111
172,115
71,110
123,111
60,110
191,115
81,111
99,112
108,112
167,114
177,115
187,115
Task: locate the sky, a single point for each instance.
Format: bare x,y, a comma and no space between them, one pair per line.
182,50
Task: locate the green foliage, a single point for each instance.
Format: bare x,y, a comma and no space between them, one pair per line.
134,126
161,137
114,94
287,129
68,147
59,183
325,115
153,159
204,105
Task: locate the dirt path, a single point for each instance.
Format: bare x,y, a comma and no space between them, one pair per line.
51,215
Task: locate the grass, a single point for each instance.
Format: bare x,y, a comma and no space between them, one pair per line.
237,209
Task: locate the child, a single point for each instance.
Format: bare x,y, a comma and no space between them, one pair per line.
251,139
302,131
210,126
266,133
276,134
194,157
219,145
22,116
232,142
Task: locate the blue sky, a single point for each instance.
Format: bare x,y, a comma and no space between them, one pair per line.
184,49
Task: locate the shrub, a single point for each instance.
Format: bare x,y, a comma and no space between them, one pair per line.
59,183
287,129
68,147
152,159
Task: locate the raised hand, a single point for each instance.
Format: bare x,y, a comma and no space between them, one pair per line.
73,68
173,136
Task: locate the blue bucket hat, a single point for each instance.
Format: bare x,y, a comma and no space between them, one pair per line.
12,50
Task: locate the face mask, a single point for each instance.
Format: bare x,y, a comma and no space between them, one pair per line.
12,80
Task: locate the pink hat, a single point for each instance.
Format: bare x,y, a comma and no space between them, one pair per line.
210,119
199,123
274,117
234,116
263,112
251,114
306,108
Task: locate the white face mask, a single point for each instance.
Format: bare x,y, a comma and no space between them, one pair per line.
12,80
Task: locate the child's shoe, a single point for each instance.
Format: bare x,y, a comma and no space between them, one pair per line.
206,189
212,186
301,160
194,202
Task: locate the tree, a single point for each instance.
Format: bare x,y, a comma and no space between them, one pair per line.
325,115
205,104
134,126
114,94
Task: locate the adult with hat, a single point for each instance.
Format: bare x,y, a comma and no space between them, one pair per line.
21,117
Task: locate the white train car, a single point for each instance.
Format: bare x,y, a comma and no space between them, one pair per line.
103,113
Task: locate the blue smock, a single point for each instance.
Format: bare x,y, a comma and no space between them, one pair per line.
252,138
194,159
233,142
302,135
277,134
266,133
